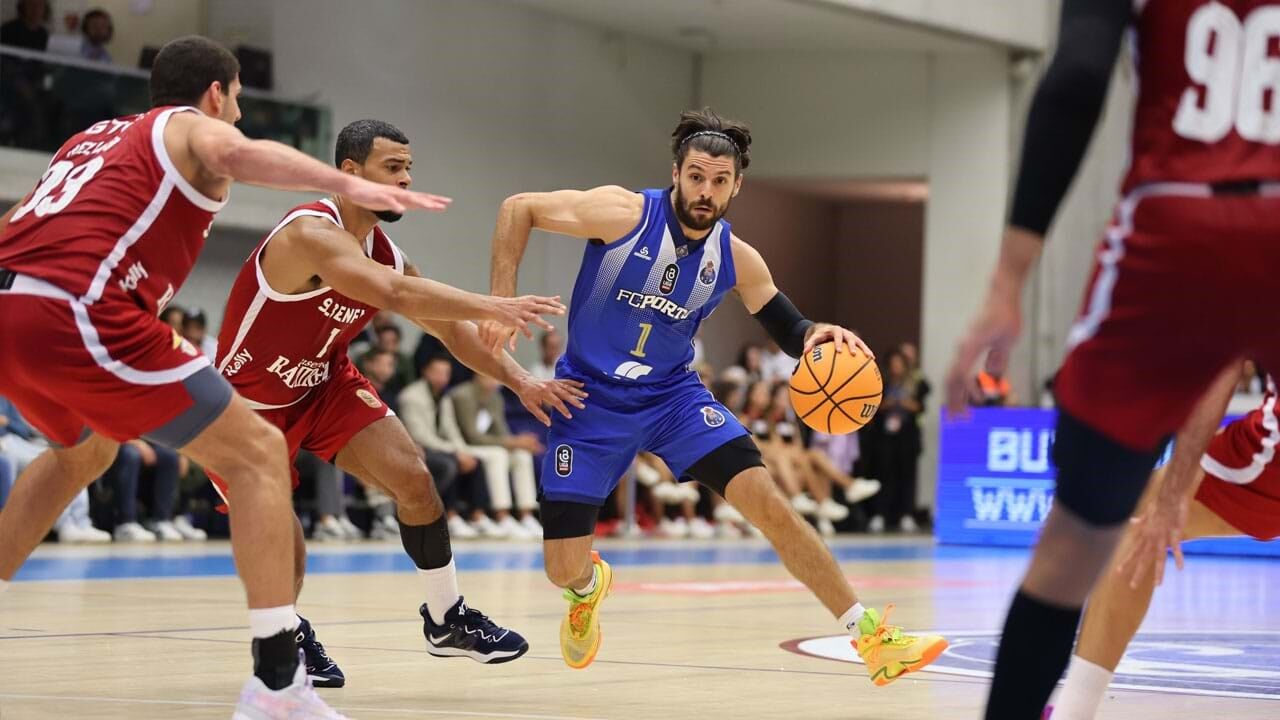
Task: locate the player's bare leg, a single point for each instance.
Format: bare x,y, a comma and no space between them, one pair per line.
887,652
384,455
43,491
586,578
1115,612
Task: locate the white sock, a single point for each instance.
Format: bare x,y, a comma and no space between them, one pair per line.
591,586
1082,693
4,585
442,590
849,620
266,622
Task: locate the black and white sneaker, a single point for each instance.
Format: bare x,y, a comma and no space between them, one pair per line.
467,632
321,668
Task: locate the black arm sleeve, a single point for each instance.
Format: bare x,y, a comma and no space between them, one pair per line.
785,324
1066,107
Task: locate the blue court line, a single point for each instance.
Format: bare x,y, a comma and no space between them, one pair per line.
393,559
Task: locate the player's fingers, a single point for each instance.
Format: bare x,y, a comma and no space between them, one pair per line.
570,395
536,410
557,403
1160,561
1176,543
511,342
542,323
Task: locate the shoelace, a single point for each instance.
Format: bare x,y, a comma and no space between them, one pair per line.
886,634
475,618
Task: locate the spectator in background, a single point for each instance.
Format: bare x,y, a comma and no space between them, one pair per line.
550,348
125,475
991,390
898,435
97,30
387,338
429,347
173,316
20,445
915,376
30,29
1251,381
195,328
419,411
776,365
379,366
749,360
473,414
331,521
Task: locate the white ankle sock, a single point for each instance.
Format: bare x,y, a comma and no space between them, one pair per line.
590,586
1082,693
442,590
265,622
849,620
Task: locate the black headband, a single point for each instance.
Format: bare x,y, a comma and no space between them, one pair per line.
714,133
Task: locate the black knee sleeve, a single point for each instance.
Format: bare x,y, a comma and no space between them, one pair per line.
428,545
1099,480
562,519
725,463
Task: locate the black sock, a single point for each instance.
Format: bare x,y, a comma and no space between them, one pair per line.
275,659
1034,651
428,545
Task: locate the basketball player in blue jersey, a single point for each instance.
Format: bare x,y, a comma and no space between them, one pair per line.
656,264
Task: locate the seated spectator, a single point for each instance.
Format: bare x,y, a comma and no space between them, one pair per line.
749,361
379,366
331,521
30,29
780,463
133,458
429,347
419,411
173,316
97,30
472,414
652,473
776,365
25,107
196,331
550,348
20,445
387,338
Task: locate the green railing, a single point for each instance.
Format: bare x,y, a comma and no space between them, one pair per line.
46,98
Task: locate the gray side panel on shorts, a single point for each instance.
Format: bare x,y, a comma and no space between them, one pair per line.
211,394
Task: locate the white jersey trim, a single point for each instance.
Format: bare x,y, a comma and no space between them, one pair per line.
1261,459
196,197
263,286
89,334
127,240
250,315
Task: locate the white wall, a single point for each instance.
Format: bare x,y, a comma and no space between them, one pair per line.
1018,23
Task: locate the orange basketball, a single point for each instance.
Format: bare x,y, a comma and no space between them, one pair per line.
836,392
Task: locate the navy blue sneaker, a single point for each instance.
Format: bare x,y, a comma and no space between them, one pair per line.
321,668
467,632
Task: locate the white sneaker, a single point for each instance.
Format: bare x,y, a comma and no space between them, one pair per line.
72,533
385,528
166,532
350,529
667,493
688,492
532,526
674,529
876,526
832,511
328,530
825,528
908,525
189,532
728,513
728,530
487,528
299,701
460,530
133,532
860,490
513,530
804,505
647,476
700,529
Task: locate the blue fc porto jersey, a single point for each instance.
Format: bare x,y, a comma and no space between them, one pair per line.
639,300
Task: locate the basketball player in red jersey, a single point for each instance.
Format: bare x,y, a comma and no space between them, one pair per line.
1185,266
86,261
310,287
1235,492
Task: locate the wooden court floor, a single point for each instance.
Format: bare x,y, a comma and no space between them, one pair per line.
692,630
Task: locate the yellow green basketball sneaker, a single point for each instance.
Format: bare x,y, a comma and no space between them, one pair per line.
580,629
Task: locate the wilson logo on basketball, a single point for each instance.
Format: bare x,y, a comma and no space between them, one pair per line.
564,460
669,277
869,410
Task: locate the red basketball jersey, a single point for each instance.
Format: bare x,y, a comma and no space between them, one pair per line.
274,348
112,217
1208,78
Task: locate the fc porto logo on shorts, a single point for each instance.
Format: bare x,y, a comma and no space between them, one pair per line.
368,398
712,417
564,460
669,277
708,274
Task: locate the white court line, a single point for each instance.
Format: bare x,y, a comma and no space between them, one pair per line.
344,708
